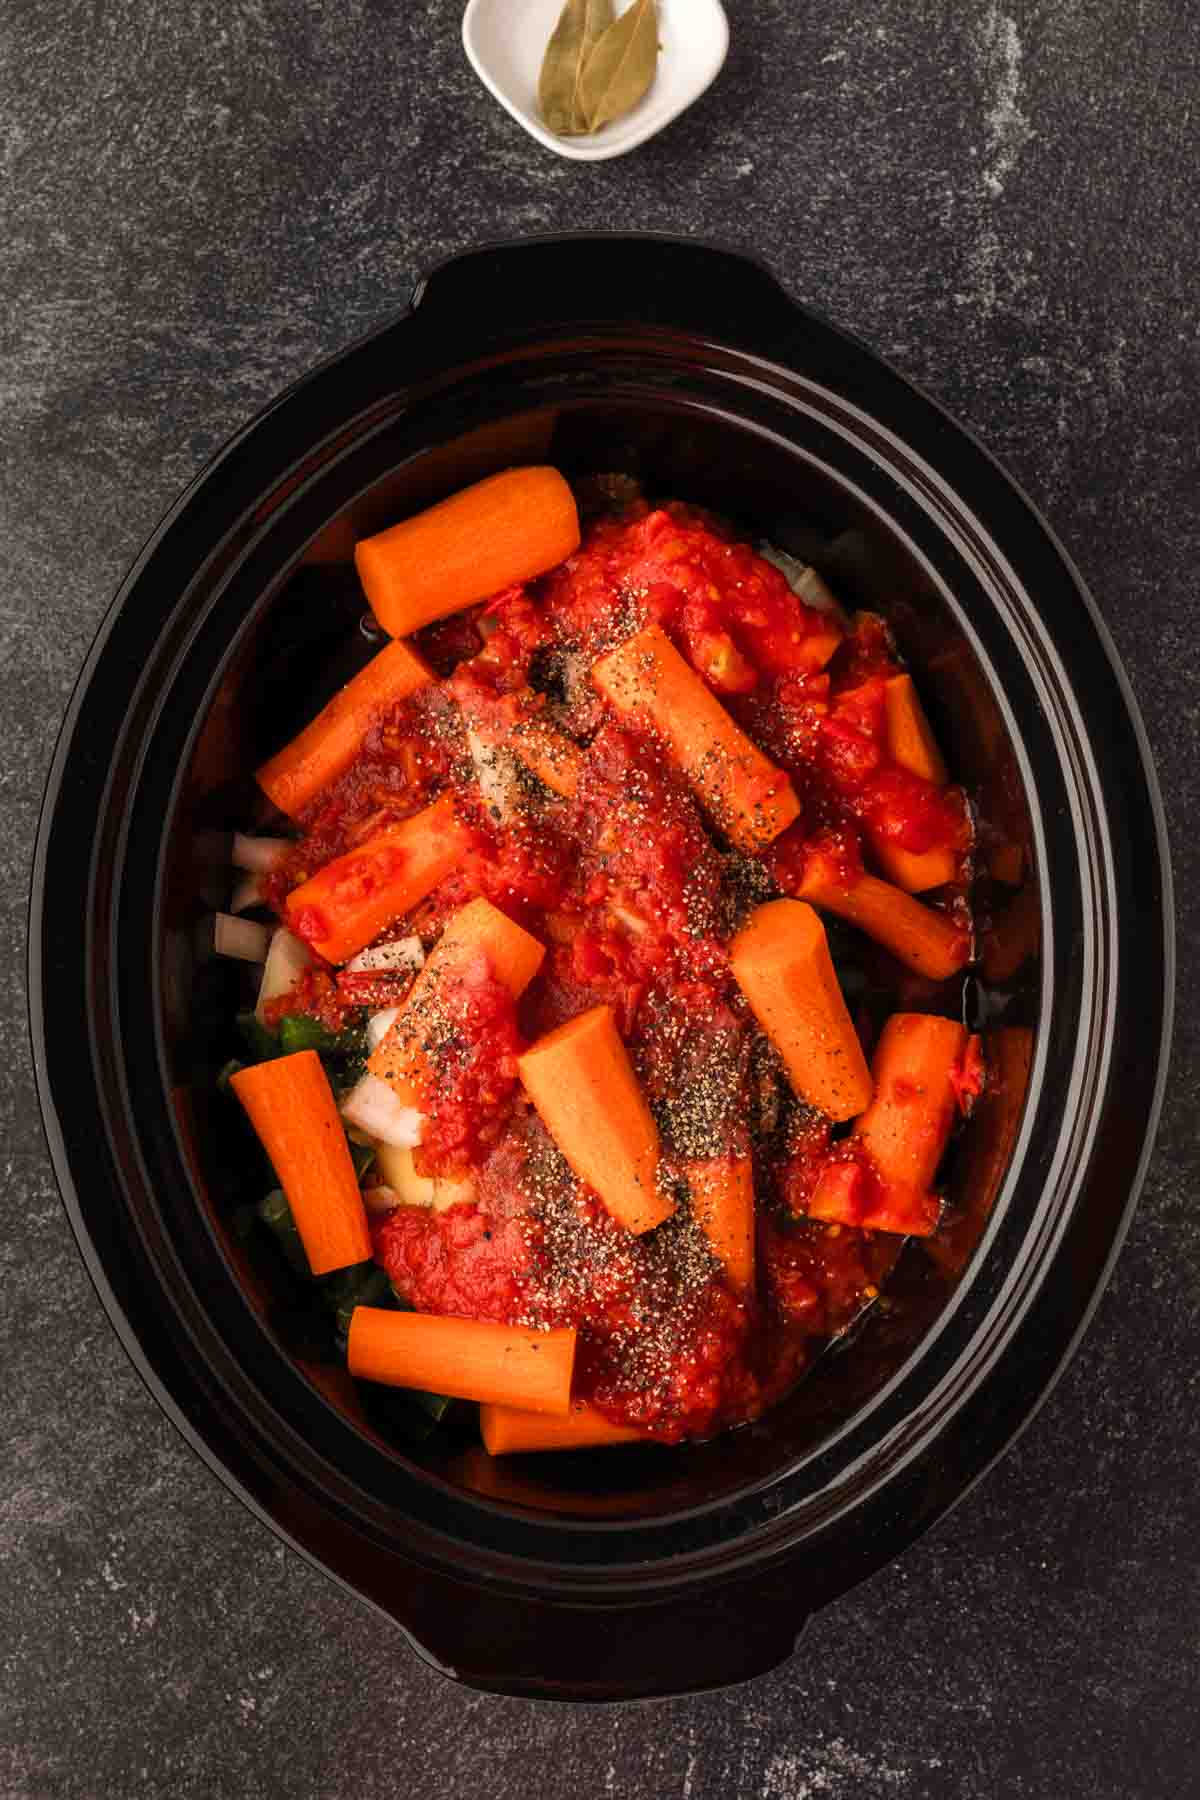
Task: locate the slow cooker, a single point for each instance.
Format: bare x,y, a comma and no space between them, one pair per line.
646,1571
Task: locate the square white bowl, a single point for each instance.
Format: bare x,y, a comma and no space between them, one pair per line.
505,41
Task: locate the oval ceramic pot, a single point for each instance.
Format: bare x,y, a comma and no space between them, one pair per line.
639,1571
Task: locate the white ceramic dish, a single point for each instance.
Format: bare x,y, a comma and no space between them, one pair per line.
505,41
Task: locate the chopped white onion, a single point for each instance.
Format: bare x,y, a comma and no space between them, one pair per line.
240,938
804,581
258,854
379,1112
814,591
496,774
448,1192
395,1164
287,960
380,1199
247,892
404,956
379,1024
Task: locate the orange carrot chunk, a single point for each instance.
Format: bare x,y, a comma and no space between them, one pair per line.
748,797
916,871
904,1131
906,1127
548,753
468,1359
506,1430
928,942
723,1204
503,530
292,1108
477,929
780,960
295,774
845,1194
351,900
911,742
580,1079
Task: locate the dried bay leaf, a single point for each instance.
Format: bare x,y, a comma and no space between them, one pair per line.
621,66
580,26
599,15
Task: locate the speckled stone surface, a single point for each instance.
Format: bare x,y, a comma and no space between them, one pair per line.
199,201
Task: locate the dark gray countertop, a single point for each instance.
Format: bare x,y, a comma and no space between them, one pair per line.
201,200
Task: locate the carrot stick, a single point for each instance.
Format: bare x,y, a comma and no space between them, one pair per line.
292,1108
911,742
903,1132
927,941
906,1127
469,1359
580,1079
506,1430
845,1194
750,799
909,1212
343,906
549,753
780,960
723,1204
916,871
503,530
330,743
477,929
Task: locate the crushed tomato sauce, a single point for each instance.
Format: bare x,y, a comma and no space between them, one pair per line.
473,1077
636,899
